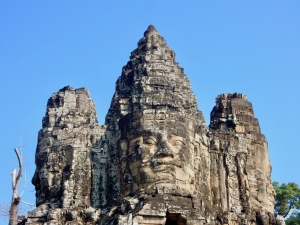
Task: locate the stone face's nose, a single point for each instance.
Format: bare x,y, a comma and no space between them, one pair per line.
151,31
164,150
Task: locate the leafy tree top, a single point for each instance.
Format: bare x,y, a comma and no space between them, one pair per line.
294,218
287,198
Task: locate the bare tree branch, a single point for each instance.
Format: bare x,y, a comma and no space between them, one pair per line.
24,188
13,209
4,210
15,201
27,203
20,164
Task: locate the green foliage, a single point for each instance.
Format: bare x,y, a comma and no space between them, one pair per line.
294,219
287,198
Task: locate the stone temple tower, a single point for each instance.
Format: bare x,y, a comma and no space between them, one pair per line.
154,161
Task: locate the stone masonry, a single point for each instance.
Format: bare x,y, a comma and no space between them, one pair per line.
154,161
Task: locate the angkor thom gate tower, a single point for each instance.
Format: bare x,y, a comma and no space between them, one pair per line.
154,161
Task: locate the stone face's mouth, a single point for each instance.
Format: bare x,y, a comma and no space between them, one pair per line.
164,153
163,161
168,161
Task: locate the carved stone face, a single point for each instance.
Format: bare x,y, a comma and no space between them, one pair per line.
163,160
40,178
52,170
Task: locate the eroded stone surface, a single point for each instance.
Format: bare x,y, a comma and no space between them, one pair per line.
154,161
63,164
240,153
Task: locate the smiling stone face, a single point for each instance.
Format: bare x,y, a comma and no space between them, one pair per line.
164,149
160,158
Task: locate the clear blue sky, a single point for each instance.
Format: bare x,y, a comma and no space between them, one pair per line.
250,47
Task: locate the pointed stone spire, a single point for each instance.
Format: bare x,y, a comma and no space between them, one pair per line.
153,78
151,31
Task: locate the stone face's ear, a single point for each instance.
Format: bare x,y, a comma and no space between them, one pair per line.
124,145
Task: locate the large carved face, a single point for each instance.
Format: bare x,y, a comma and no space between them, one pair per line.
52,169
161,159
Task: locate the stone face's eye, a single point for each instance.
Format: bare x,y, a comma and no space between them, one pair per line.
149,141
177,143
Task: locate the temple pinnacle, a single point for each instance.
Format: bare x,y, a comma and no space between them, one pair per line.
150,30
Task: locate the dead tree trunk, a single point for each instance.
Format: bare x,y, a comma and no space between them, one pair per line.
16,199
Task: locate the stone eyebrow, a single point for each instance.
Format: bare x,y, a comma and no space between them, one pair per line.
184,142
149,137
175,137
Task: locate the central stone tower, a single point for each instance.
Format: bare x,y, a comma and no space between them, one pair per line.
154,161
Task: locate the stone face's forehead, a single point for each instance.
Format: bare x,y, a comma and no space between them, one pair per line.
158,134
162,124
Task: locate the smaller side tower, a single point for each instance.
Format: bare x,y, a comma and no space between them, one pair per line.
63,166
241,183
